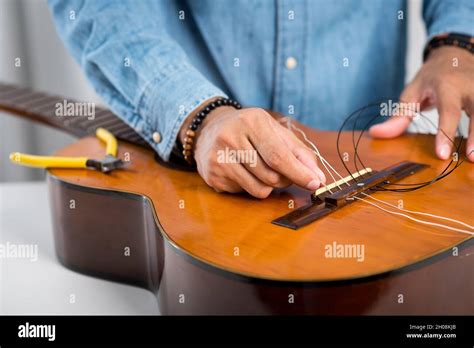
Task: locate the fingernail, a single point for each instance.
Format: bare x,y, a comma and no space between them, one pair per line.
321,175
470,154
444,151
313,185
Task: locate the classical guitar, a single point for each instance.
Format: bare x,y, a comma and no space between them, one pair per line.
162,228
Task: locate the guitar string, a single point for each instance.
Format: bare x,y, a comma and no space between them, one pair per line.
325,163
444,173
416,212
323,160
409,187
359,113
419,212
418,220
413,186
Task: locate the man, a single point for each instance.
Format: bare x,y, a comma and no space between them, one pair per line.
159,64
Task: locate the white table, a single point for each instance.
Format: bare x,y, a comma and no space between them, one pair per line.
44,287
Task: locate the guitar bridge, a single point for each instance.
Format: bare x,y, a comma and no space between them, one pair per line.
324,201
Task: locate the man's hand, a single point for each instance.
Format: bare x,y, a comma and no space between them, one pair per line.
445,81
270,155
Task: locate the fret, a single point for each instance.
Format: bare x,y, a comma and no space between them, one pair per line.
4,88
116,126
10,88
77,121
91,125
41,100
104,122
17,89
68,122
41,107
135,137
47,110
100,111
126,132
76,131
99,116
11,94
87,126
135,140
25,97
50,103
123,132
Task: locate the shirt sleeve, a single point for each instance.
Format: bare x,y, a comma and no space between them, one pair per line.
449,16
133,64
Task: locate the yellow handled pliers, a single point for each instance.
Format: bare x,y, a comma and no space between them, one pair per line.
107,164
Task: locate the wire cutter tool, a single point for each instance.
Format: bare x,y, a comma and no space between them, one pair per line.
108,163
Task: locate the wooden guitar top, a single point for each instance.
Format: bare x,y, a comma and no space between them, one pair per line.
234,232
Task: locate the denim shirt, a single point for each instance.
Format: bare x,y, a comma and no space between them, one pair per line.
154,61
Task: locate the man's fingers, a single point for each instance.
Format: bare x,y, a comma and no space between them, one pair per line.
307,157
470,141
398,123
276,153
267,175
302,152
223,184
278,157
449,109
470,138
393,127
248,181
257,166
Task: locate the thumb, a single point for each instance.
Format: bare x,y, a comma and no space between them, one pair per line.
397,123
302,152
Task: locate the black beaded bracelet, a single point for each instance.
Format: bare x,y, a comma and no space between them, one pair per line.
450,39
188,144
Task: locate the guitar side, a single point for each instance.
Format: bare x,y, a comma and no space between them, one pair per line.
125,227
117,236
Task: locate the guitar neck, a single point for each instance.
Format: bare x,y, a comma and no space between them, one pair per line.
41,107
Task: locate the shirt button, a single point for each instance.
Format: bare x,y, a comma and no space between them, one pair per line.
156,137
291,63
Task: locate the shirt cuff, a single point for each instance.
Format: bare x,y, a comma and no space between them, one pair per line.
166,101
461,22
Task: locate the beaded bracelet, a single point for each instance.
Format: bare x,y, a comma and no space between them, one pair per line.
452,39
188,145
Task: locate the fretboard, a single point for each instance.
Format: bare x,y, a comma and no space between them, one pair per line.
42,107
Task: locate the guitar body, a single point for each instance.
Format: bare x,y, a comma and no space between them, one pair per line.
203,252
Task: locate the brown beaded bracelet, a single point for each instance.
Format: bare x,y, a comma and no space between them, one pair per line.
188,145
449,39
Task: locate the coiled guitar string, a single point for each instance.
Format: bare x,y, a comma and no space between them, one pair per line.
409,187
329,167
414,187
